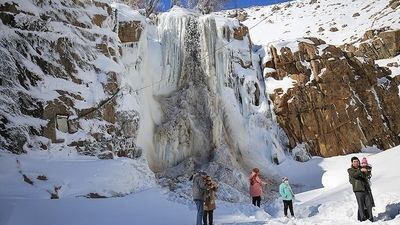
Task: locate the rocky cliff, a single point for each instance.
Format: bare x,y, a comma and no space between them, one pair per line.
333,79
60,75
340,102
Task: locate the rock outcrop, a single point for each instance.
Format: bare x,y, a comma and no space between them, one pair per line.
339,102
55,88
377,44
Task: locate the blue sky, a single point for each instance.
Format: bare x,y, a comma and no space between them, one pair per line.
247,3
235,3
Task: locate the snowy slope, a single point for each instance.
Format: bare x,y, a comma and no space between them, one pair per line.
305,18
329,200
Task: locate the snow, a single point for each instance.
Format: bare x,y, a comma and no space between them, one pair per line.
285,84
126,14
323,193
302,19
384,63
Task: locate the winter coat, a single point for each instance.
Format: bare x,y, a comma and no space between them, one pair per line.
286,192
199,187
255,185
368,173
358,179
209,202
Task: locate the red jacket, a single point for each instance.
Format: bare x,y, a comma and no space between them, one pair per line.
255,185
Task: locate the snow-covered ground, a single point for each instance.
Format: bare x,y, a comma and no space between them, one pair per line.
296,19
328,199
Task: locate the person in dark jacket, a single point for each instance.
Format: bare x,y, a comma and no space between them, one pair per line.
199,191
358,178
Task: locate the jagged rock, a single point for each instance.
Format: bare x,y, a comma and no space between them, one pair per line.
394,4
356,14
391,39
129,31
240,32
106,49
132,153
377,44
333,29
242,16
27,179
7,7
7,19
42,177
288,5
54,194
346,101
98,19
103,5
275,8
393,64
94,195
14,139
106,155
301,153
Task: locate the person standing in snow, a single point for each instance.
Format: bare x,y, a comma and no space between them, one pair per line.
199,191
364,164
287,196
358,178
209,203
256,187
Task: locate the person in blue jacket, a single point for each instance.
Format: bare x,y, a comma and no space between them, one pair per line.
287,195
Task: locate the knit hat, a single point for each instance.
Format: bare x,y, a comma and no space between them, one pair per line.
284,179
364,161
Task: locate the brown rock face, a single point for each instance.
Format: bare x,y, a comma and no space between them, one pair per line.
394,4
339,103
240,32
129,31
378,44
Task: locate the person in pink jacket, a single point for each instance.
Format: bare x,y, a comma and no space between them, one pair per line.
256,187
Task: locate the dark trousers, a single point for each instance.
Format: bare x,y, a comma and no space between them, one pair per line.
288,204
364,202
257,201
209,214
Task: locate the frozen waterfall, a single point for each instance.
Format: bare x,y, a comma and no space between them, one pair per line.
204,107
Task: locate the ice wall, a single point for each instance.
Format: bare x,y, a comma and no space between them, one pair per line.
206,106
